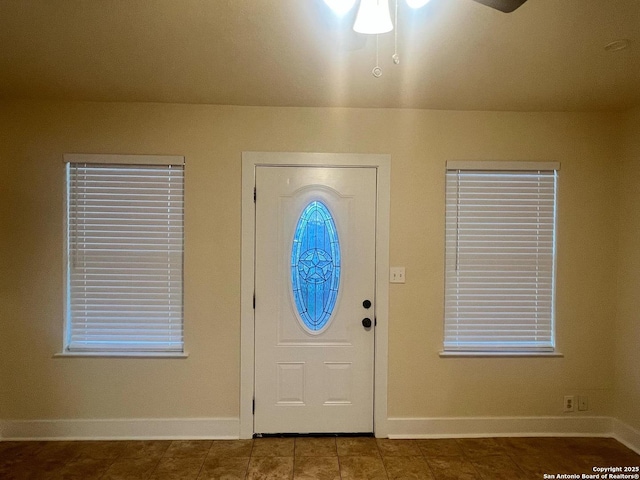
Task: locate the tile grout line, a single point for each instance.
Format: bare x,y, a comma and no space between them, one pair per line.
384,465
469,459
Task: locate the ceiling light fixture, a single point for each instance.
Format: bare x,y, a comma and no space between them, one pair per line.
340,7
374,18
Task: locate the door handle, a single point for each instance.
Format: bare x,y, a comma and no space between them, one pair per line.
366,322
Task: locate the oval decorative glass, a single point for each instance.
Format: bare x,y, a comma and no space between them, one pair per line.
315,266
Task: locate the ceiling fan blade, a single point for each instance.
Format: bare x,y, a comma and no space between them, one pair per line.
502,5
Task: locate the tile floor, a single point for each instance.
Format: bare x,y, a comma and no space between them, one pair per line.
312,458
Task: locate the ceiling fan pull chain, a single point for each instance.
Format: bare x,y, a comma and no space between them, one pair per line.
395,56
377,71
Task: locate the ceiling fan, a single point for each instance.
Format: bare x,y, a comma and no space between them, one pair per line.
506,6
374,17
341,7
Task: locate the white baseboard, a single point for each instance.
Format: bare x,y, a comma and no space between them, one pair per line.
499,427
121,429
626,435
229,428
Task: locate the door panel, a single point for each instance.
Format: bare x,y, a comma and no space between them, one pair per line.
305,380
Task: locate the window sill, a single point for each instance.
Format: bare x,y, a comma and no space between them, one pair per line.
123,354
500,354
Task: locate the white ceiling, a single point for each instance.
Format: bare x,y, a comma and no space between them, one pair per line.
455,54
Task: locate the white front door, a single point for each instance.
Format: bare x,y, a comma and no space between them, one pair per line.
314,289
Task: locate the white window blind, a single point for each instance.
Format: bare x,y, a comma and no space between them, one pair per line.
500,266
125,255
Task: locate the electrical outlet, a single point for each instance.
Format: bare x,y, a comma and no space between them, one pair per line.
396,275
583,403
569,403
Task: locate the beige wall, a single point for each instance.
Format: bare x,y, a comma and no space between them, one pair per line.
627,407
421,384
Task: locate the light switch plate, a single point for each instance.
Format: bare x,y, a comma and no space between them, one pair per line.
396,275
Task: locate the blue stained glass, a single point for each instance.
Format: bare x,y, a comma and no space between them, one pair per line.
315,266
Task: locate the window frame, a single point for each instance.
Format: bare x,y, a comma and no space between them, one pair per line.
513,350
124,161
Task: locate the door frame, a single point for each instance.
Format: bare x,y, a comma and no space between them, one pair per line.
252,160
